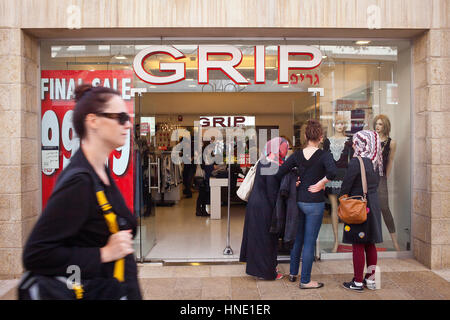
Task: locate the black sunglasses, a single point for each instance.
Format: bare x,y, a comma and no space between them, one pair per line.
121,117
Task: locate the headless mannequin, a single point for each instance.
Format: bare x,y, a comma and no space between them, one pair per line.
380,130
339,134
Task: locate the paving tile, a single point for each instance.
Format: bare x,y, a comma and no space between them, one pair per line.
245,294
335,294
188,284
216,298
192,271
402,279
423,293
387,283
228,271
187,294
216,292
300,294
276,296
243,282
336,266
8,289
10,295
156,272
271,287
445,274
216,282
393,294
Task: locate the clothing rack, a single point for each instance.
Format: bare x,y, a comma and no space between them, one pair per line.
164,178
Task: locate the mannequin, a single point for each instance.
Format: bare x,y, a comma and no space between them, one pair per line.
382,126
340,147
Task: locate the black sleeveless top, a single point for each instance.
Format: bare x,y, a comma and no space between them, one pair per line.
385,151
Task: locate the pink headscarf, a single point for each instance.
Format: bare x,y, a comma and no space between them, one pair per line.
367,144
278,147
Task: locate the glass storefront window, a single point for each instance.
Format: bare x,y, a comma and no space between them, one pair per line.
358,82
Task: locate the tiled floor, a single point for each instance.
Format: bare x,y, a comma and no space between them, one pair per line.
181,235
401,279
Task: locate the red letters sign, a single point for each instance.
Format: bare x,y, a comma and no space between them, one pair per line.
228,67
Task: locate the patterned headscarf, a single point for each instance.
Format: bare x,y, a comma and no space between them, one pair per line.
278,147
367,144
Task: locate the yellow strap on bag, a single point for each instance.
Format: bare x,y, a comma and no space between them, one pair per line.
113,226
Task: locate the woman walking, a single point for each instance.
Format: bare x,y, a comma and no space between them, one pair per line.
259,246
72,230
364,236
316,167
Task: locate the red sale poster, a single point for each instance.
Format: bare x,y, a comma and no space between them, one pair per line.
59,141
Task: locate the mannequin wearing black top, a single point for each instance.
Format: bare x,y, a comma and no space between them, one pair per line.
340,147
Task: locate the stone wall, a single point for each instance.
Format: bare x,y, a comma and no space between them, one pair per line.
19,123
431,189
222,13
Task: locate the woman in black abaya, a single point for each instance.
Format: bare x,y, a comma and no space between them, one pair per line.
259,246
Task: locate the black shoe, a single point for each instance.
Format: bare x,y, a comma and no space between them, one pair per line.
352,286
292,278
205,214
198,213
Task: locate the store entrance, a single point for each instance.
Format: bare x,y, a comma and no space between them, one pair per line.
171,228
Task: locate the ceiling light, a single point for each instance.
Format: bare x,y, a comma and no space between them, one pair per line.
324,57
76,48
120,57
362,42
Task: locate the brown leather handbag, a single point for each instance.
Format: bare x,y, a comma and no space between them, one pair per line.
353,210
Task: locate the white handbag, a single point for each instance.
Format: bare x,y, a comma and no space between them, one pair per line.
245,189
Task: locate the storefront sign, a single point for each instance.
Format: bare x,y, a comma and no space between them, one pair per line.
228,67
227,121
59,141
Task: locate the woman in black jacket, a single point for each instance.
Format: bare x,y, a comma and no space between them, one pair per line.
364,236
72,230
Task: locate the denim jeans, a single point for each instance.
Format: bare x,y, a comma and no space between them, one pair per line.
306,239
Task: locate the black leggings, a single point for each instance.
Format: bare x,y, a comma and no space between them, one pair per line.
384,204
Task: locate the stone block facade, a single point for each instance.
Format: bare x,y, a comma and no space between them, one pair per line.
431,186
19,145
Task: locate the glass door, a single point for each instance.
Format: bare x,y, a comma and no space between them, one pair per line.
145,178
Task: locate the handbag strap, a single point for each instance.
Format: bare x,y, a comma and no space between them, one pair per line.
363,176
